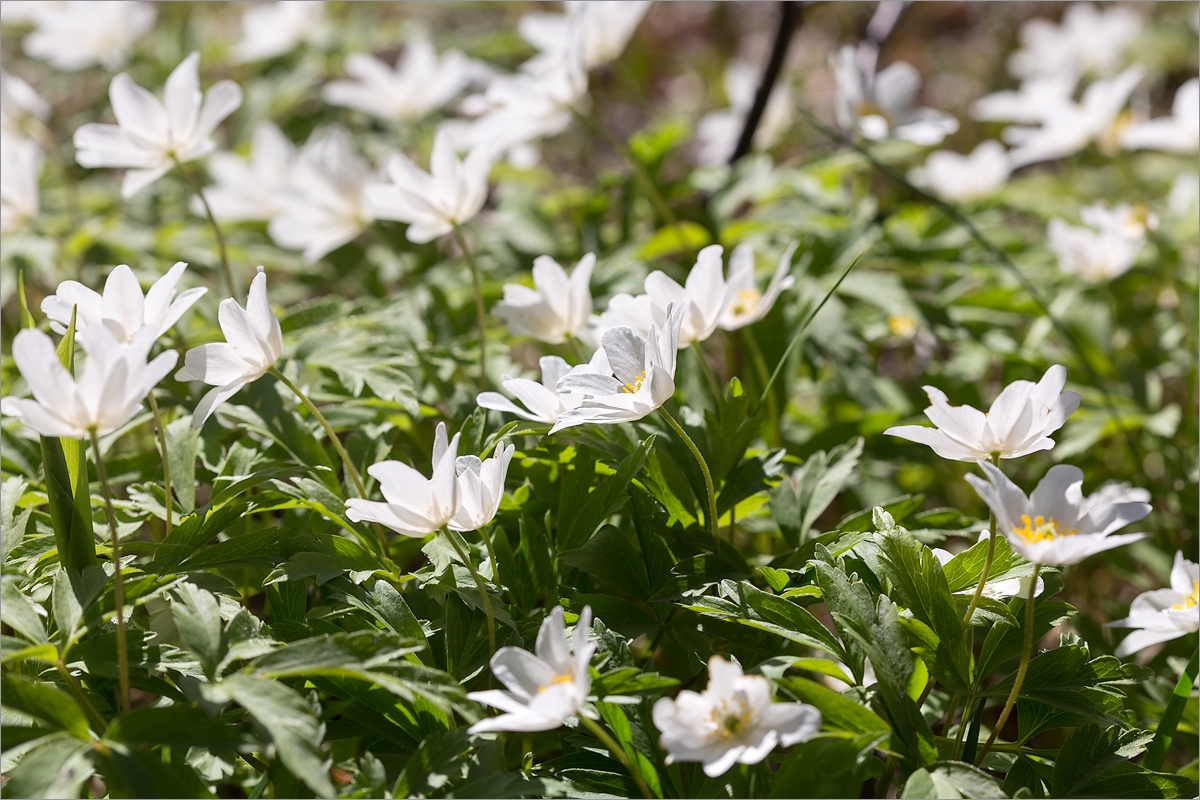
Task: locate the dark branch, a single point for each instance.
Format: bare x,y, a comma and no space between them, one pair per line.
790,13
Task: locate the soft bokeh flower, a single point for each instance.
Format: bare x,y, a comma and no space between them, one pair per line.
123,310
77,35
432,203
21,107
744,303
882,105
544,687
1056,525
1161,615
543,401
480,485
1106,246
556,308
249,188
20,167
965,178
1178,133
114,381
1088,40
151,135
24,12
606,26
1019,422
276,28
253,342
718,131
413,505
1035,100
733,721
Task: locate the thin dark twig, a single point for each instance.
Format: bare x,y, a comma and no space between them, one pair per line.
790,14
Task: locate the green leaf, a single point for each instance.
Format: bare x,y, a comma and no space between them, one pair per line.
45,702
183,445
673,240
824,766
12,524
19,612
14,651
1090,752
951,780
23,304
797,502
198,619
611,556
56,766
1004,642
438,757
576,526
838,712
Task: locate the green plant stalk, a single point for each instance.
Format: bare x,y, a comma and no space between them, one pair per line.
708,481
987,563
619,752
480,309
194,182
162,444
337,444
487,543
72,684
1021,670
1156,753
118,581
760,366
885,780
962,726
483,595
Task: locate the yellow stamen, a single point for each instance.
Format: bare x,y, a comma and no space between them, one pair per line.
556,680
635,385
747,301
902,325
1040,529
729,722
1189,600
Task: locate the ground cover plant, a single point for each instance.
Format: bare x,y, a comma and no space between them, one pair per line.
599,399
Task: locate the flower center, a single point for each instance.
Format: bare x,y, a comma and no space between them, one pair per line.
746,302
730,721
1040,529
556,680
1189,600
902,325
636,384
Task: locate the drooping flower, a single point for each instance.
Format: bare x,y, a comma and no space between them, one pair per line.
420,83
544,687
965,178
114,381
556,308
276,28
253,342
1089,40
20,167
480,486
643,376
1161,615
21,107
1107,245
152,134
249,188
1056,525
718,131
607,28
432,203
1019,422
733,721
882,105
744,303
413,505
996,590
122,309
78,35
1178,133
543,402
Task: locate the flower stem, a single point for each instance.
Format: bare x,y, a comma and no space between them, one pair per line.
118,582
708,481
987,563
73,685
483,595
619,752
162,444
199,190
337,444
1020,678
487,542
480,310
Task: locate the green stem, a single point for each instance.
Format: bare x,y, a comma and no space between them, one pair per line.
480,310
94,715
962,725
987,563
708,481
337,444
1156,753
230,284
950,711
483,595
162,444
1020,678
885,780
118,581
487,543
619,752
760,366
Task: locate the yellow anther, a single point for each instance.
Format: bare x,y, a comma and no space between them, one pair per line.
556,680
746,302
902,325
1189,600
635,385
1041,529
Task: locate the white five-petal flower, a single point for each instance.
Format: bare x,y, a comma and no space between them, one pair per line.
733,721
1056,525
78,35
152,134
545,687
1019,422
556,308
882,105
965,178
1088,40
249,188
607,29
253,342
21,107
543,402
1161,615
1105,246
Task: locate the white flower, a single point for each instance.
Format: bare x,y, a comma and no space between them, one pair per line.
1070,127
543,400
110,389
152,134
1019,422
20,166
414,505
733,721
25,12
556,308
253,342
321,208
1184,197
1107,246
718,131
274,29
1056,525
480,486
20,105
123,310
1178,133
248,188
420,83
744,304
78,35
882,105
543,689
607,27
644,370
451,193
965,178
996,590
1088,41
1163,614
1035,100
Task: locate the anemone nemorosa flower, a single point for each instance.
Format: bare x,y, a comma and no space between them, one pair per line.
1161,615
556,308
543,401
